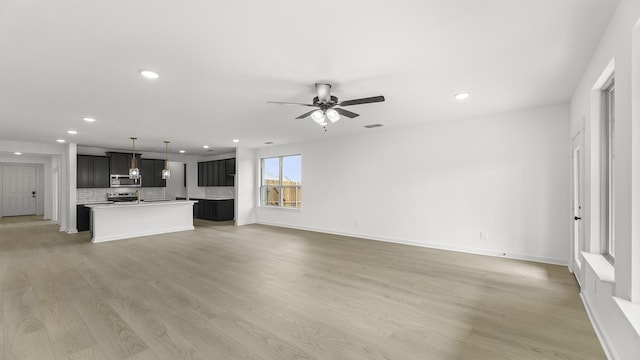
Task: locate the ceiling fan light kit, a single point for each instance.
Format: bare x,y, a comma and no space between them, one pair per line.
328,106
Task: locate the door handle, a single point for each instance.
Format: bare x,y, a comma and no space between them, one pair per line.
577,218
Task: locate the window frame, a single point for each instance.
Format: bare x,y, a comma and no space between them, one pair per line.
281,187
608,169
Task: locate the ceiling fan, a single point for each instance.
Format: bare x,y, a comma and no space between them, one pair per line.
328,106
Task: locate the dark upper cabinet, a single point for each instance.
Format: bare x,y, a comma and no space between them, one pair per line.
84,173
92,172
216,173
101,172
202,173
222,173
151,173
147,167
157,175
119,163
230,171
212,174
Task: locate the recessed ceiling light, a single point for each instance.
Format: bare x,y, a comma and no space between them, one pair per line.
461,96
182,151
17,153
60,140
205,146
149,74
88,119
72,132
236,140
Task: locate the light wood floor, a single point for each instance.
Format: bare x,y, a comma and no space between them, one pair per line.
257,292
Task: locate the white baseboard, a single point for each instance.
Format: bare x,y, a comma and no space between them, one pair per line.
463,249
596,326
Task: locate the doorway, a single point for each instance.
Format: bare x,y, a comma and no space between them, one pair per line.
18,190
577,200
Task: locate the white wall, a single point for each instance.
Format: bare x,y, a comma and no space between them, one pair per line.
43,198
52,160
175,184
608,299
246,185
441,184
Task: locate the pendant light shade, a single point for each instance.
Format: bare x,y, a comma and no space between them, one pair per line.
318,116
333,115
134,172
166,173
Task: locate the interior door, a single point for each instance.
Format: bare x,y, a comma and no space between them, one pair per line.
18,190
577,198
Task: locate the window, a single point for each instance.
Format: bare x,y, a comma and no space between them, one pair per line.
281,181
608,169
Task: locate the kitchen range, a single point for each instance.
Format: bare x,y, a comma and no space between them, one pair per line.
127,197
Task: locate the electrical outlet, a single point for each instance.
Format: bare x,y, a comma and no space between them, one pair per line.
484,236
357,223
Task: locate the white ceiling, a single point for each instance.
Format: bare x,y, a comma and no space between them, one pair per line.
220,61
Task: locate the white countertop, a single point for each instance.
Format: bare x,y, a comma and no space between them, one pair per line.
142,203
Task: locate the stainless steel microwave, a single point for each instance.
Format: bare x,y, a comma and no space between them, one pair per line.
124,181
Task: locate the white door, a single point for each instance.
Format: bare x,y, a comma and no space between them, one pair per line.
577,198
18,190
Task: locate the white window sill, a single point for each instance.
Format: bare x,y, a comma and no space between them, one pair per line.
631,311
601,266
280,208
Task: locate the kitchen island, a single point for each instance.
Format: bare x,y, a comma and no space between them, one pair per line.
127,220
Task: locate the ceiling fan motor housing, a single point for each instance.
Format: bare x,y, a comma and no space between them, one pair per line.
333,100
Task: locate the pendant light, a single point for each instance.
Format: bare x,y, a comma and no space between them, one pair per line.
166,173
134,172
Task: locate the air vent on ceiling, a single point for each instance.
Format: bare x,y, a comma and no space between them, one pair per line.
371,126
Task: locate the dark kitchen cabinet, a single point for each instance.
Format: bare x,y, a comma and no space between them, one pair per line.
222,173
212,174
210,210
119,163
82,217
217,172
147,167
92,172
230,171
157,178
100,172
200,208
84,173
151,173
216,210
202,173
225,210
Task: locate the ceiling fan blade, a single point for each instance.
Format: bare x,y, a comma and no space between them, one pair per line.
288,103
362,101
346,113
305,115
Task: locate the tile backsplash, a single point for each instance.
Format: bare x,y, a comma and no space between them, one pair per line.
84,196
220,191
